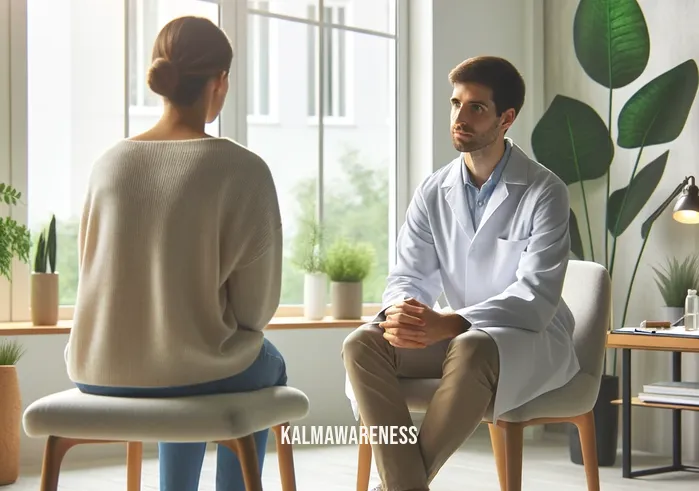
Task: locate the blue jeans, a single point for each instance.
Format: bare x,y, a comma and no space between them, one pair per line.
180,463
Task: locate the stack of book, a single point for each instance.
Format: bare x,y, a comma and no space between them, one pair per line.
684,393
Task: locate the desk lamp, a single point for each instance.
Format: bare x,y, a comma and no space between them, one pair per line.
686,211
687,207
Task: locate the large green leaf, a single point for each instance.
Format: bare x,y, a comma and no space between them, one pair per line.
611,41
571,140
639,192
576,245
658,112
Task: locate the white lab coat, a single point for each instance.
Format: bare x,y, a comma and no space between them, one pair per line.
506,277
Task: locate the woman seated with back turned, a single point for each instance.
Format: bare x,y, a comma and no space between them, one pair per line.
180,251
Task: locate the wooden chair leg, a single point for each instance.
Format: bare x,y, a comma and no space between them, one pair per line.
497,440
285,455
246,451
54,451
588,443
514,441
364,466
134,465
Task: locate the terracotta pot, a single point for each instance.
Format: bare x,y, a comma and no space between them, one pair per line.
44,299
10,424
346,300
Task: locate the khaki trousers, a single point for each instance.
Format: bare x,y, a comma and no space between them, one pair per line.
469,368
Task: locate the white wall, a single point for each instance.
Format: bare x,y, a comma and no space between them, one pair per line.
452,31
674,39
445,33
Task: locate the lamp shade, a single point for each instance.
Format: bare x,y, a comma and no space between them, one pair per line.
687,206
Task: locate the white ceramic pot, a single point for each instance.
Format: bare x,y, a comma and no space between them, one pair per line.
315,287
346,300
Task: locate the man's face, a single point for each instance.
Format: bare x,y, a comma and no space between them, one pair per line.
474,120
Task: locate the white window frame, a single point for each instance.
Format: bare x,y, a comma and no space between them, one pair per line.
347,69
254,115
14,298
143,56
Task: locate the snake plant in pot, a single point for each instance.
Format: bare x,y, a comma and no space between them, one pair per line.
44,282
14,243
612,44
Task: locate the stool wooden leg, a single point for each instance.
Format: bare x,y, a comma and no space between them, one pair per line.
497,440
285,456
134,463
54,451
246,451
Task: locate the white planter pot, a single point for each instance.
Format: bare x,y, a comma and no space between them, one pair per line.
346,300
315,295
671,314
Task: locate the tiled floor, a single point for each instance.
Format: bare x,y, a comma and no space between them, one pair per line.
546,468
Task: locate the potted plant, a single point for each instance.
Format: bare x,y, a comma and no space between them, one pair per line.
44,282
673,282
348,265
612,45
309,258
10,411
14,243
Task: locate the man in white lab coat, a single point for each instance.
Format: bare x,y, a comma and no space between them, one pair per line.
490,231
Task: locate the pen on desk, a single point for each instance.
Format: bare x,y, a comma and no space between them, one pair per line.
644,331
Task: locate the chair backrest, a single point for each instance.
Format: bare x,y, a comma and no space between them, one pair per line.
587,290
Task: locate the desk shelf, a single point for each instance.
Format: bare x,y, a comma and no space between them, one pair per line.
637,402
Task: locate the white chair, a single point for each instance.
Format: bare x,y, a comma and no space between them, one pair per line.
72,418
587,291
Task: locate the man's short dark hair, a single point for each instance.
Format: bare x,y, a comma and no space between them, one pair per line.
498,74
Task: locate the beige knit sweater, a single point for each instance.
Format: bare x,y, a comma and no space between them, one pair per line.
180,251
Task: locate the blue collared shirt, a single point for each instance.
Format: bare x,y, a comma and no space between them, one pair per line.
478,198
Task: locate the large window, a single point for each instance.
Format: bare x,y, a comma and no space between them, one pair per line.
87,64
337,167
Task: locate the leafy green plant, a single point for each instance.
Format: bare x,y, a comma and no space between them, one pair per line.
15,240
612,44
309,255
676,278
46,249
347,262
10,353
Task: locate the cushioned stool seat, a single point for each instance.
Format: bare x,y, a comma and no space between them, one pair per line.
71,417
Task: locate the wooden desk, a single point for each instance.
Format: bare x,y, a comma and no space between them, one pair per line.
277,323
651,342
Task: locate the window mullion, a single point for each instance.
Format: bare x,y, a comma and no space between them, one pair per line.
19,168
321,108
234,20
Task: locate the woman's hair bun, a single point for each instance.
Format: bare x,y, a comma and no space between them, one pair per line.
163,77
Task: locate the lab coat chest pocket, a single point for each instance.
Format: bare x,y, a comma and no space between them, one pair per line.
508,252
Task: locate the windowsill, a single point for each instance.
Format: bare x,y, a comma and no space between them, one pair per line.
277,323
